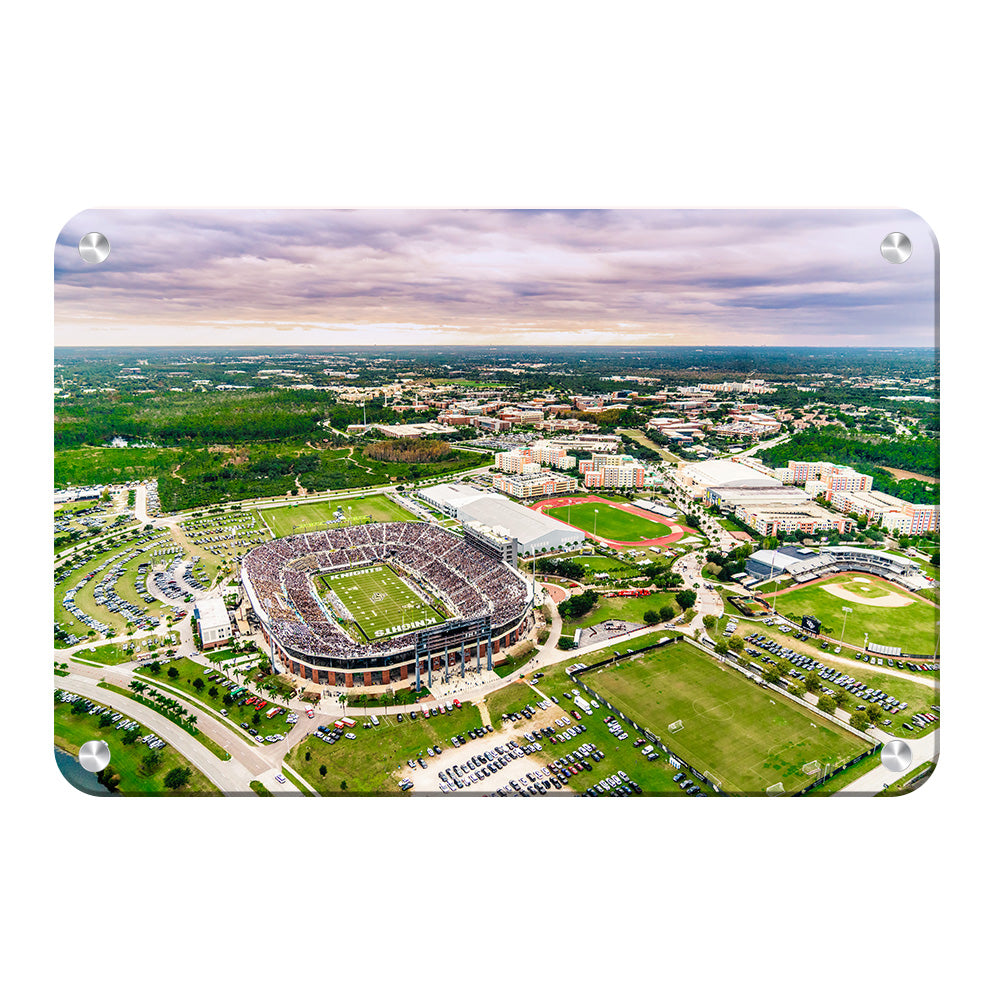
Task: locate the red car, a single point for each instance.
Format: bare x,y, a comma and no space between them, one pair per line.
310,714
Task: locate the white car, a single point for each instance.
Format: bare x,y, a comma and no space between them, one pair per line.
279,778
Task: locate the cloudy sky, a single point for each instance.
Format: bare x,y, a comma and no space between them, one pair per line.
478,277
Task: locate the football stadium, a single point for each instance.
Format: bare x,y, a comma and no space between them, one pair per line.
377,604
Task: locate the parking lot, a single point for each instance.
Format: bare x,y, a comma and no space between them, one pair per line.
427,782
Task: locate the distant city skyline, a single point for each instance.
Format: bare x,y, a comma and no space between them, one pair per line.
507,278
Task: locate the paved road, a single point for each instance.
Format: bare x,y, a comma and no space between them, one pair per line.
231,776
924,749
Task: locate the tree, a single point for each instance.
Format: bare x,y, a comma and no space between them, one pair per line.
173,673
666,613
813,682
736,642
256,718
709,621
565,642
177,777
109,778
722,647
841,697
874,713
859,720
130,737
198,684
151,761
343,786
771,674
651,617
213,692
686,599
105,720
322,770
308,756
936,559
826,704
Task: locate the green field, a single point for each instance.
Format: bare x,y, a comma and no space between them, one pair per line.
366,764
380,603
748,737
239,712
913,627
615,568
320,515
629,609
72,731
612,523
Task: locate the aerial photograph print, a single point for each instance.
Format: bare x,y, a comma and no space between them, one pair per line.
496,503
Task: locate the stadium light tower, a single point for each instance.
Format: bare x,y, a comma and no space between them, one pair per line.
847,611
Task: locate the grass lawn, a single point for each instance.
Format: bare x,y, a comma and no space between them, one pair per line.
511,698
239,712
748,737
637,435
900,683
616,568
654,777
913,627
842,780
630,609
72,731
184,723
904,785
366,764
612,523
257,787
597,655
319,515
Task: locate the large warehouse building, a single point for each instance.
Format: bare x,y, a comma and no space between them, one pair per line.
534,532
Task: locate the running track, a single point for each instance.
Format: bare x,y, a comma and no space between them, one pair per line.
676,534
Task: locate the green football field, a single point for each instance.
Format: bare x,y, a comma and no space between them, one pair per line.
913,627
612,523
296,518
748,737
381,604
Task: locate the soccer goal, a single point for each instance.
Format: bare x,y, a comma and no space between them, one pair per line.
778,789
811,768
675,727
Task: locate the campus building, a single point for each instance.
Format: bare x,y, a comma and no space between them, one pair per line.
214,627
494,541
534,484
612,472
889,512
533,531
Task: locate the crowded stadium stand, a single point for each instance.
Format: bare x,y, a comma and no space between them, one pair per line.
488,601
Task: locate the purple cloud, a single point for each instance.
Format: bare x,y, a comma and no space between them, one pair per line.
468,276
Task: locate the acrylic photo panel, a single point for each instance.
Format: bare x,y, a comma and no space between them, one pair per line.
496,503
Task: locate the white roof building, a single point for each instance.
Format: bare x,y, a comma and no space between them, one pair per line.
533,531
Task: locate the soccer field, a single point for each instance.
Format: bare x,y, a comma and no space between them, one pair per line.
612,523
320,515
748,737
379,601
913,626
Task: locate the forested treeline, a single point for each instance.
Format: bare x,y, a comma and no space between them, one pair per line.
205,418
869,456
